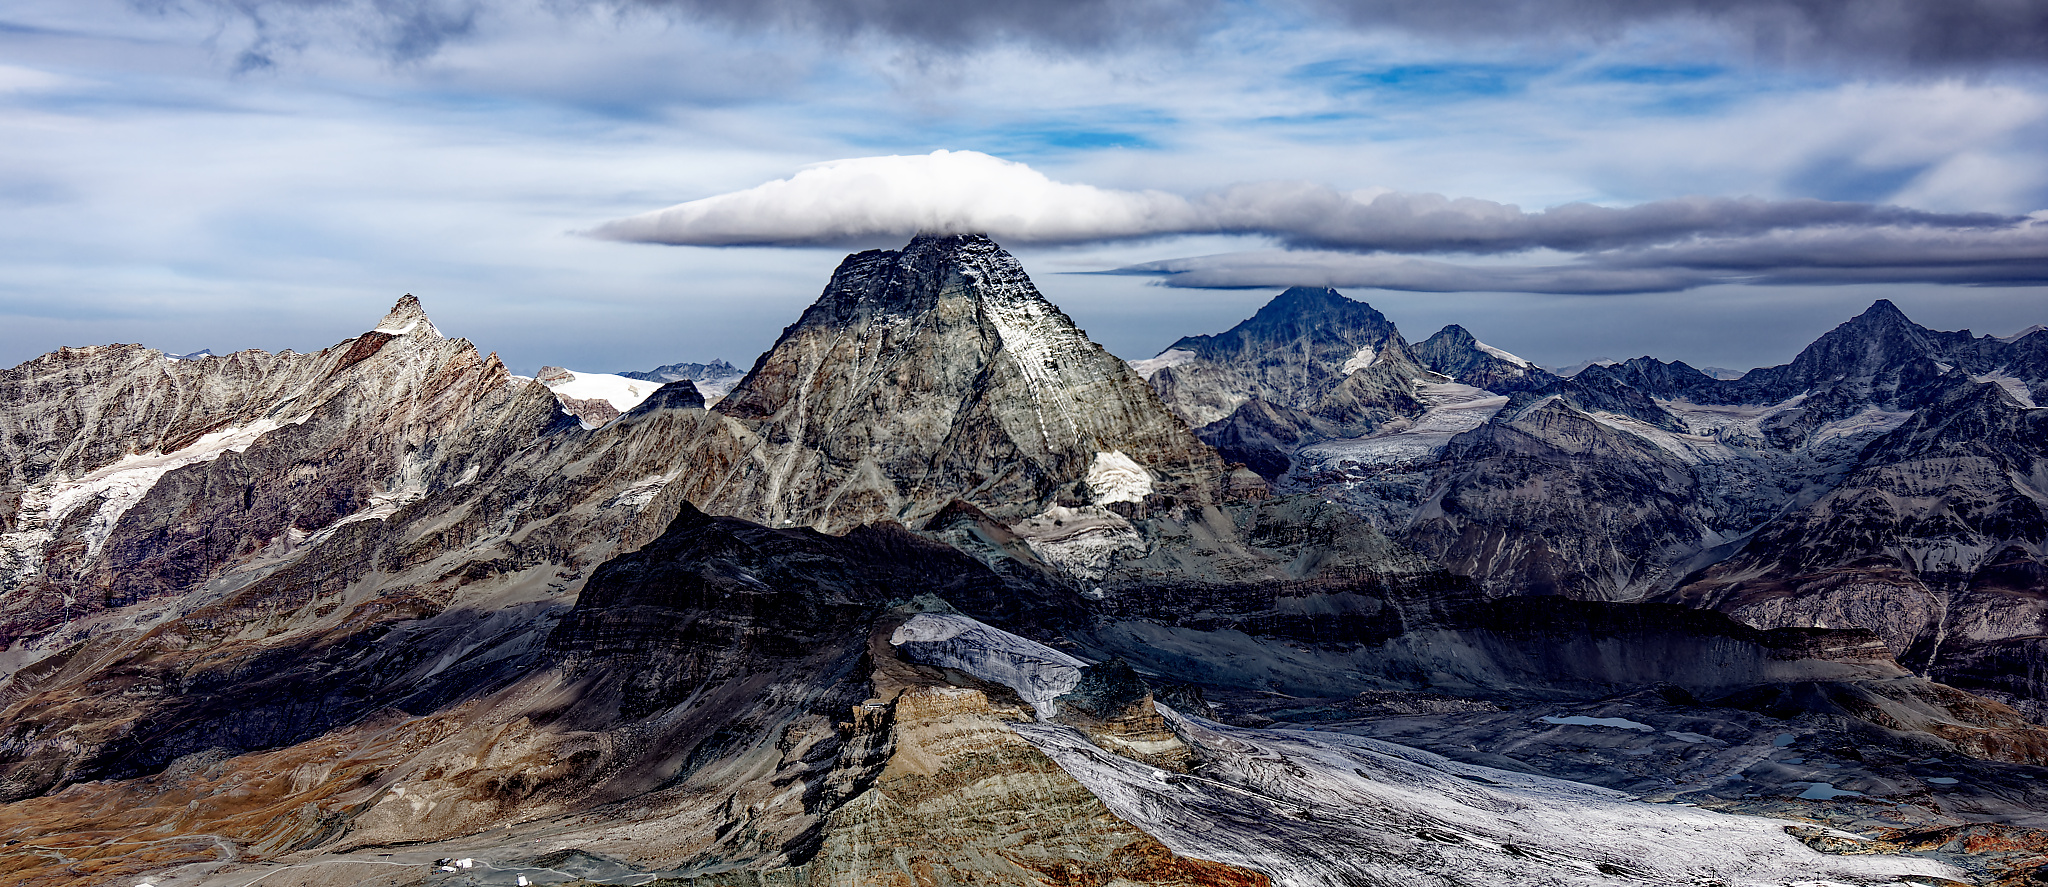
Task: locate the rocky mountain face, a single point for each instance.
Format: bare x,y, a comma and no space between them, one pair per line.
944,593
1290,354
1311,365
939,372
1933,540
131,477
1878,480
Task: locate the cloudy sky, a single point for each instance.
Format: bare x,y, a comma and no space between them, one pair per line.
615,184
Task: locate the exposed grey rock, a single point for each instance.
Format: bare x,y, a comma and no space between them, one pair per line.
1311,365
1453,352
939,373
1934,541
1291,353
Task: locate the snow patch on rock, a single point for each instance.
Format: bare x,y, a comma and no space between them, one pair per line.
622,393
1115,477
110,491
1364,358
2013,386
1871,422
1453,409
1037,672
1171,357
1083,541
640,492
1503,355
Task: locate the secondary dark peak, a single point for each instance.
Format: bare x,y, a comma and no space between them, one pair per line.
1452,336
681,394
1881,339
1303,313
1651,375
1455,352
1882,320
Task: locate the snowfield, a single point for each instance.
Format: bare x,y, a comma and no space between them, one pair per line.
1453,410
622,393
1171,357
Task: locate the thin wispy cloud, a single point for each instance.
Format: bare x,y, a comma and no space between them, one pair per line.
1262,269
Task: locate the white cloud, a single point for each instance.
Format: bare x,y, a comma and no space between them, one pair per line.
844,201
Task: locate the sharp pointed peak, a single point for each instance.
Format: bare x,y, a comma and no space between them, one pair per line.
1882,310
1314,300
406,317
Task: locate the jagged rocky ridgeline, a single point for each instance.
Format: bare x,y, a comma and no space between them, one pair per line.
1891,477
330,618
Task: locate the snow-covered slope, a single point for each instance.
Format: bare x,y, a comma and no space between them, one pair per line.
1037,672
622,393
596,398
1171,357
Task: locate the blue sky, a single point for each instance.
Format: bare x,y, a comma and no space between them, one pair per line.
274,173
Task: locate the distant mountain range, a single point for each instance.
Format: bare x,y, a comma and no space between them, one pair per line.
941,592
1722,373
714,379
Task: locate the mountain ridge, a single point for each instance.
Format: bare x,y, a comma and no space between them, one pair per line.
442,618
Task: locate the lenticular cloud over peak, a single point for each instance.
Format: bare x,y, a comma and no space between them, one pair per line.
950,192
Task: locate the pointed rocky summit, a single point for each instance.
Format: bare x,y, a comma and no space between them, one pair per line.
407,317
1291,353
939,372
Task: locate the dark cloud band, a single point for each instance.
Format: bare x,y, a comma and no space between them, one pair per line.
1894,33
1881,34
2015,255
